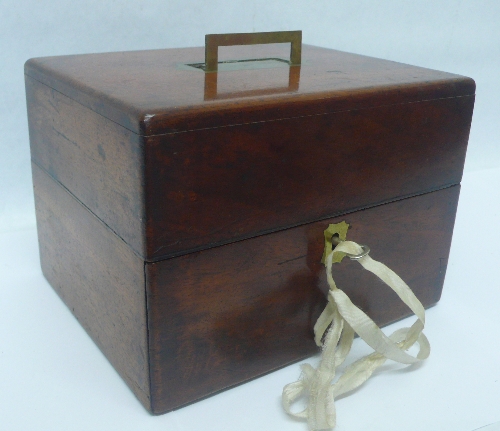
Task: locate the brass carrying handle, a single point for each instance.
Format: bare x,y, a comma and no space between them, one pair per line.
213,41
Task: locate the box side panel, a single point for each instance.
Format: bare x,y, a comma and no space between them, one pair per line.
229,314
211,187
98,161
98,277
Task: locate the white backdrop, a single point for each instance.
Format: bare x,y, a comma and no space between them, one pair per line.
456,36
52,377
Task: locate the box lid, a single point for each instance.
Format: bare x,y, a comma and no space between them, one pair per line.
257,147
155,92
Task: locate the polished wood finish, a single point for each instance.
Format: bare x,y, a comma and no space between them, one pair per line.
223,316
214,186
98,277
153,92
181,214
187,327
174,193
98,161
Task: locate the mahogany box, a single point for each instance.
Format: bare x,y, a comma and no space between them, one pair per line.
181,210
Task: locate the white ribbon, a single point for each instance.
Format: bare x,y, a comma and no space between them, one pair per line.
345,319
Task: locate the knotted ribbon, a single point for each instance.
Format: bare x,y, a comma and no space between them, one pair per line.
344,319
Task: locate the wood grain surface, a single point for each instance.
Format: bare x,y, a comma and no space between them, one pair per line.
213,319
223,316
98,161
98,277
154,92
209,187
181,214
173,194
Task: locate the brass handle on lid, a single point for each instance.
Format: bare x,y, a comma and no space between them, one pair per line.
213,41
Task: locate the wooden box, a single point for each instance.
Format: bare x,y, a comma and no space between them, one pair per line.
181,212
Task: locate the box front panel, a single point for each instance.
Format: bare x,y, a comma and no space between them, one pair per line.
214,186
226,315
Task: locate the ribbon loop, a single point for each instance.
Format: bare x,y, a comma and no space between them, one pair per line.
340,320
